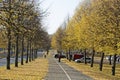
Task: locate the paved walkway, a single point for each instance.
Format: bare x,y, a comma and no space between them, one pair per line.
61,71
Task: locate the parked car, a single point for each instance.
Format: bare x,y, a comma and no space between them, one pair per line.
88,60
77,56
112,58
61,56
108,57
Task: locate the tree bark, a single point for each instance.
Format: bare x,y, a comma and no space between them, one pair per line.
69,55
85,56
101,62
110,62
92,61
9,38
114,65
9,49
17,47
30,52
27,51
22,50
36,53
32,55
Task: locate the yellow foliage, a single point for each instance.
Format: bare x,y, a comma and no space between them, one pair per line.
95,25
3,42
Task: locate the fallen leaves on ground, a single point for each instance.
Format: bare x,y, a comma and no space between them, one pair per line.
94,71
35,70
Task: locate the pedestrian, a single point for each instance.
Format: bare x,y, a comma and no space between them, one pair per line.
59,58
45,56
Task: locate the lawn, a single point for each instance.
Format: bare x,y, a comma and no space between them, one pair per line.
94,71
35,70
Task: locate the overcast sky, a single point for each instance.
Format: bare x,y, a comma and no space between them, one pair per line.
58,10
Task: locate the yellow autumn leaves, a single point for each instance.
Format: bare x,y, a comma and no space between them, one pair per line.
35,70
94,25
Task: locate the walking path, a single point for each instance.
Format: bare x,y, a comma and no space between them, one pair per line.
61,71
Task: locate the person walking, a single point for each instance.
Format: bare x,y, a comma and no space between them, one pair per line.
59,59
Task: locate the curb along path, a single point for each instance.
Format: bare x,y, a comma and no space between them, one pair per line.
61,71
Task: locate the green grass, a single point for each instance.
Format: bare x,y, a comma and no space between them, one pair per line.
94,71
35,70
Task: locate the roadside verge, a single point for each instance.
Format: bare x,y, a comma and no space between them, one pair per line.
35,70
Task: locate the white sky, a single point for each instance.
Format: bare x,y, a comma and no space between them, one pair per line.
58,11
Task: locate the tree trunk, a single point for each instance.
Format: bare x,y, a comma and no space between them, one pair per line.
27,51
22,51
69,55
114,65
9,48
14,48
30,52
17,47
32,55
36,53
101,62
9,38
110,62
85,56
92,61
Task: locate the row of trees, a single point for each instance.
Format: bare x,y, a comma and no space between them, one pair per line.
95,25
21,29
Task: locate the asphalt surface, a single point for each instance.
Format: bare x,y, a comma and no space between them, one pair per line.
61,71
3,61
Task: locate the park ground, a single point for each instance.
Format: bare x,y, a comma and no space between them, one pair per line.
35,70
94,72
38,69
